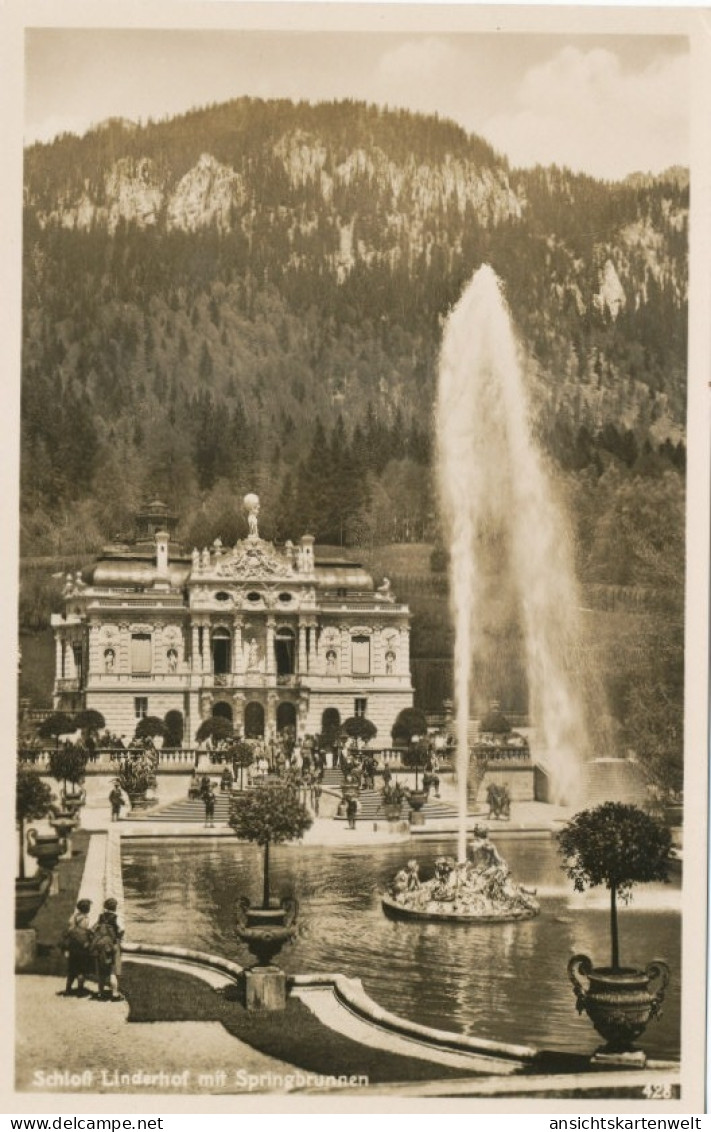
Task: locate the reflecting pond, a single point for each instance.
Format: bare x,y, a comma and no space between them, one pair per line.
500,981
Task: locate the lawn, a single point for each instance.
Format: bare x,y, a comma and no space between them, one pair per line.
51,920
294,1035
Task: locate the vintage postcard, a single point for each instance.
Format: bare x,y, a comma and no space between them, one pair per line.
357,528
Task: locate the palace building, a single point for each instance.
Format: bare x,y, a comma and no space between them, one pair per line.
265,636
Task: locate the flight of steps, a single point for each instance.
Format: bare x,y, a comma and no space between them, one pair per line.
333,777
612,780
371,808
186,810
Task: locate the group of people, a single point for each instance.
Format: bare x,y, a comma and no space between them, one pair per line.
93,951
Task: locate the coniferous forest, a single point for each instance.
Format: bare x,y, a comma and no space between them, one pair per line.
250,297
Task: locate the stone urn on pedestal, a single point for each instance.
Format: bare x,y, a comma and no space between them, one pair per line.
33,798
267,814
619,846
63,823
72,802
46,848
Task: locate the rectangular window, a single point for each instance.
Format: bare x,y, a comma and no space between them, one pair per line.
360,656
140,652
360,706
140,706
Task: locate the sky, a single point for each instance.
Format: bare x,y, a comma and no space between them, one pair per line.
604,105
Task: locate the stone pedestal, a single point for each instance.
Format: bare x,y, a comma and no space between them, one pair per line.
264,988
417,817
25,948
628,1059
54,883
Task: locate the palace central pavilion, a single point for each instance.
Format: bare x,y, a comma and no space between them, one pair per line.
265,636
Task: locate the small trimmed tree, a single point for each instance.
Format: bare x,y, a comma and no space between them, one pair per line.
410,721
495,723
32,801
242,754
617,845
174,728
56,724
90,721
216,728
415,757
358,727
150,727
269,815
68,764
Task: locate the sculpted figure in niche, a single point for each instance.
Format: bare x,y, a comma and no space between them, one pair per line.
172,660
109,660
331,662
389,663
253,654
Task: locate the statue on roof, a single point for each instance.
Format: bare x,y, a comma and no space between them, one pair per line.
251,503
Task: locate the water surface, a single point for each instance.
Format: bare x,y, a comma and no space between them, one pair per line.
500,981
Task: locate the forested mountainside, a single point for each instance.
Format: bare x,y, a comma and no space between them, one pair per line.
251,297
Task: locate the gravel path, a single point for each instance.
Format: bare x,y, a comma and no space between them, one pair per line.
67,1045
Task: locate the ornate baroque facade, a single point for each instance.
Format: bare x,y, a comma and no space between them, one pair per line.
265,636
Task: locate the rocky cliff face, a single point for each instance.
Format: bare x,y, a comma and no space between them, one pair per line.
132,192
326,246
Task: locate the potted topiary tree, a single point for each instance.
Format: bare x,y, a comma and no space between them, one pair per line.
268,815
617,845
242,754
67,764
32,801
415,756
137,775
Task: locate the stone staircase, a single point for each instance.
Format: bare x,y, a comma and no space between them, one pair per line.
612,780
186,810
333,777
371,809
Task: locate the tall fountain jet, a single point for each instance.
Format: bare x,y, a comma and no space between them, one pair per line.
492,483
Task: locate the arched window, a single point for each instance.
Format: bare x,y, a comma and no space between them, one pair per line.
221,652
254,720
285,651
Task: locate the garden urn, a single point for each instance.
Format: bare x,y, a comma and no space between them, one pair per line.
619,1001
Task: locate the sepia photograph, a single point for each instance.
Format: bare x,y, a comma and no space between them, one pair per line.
360,526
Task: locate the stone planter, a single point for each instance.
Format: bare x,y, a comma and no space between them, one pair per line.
619,1003
266,930
30,895
417,799
139,800
63,824
392,813
46,848
73,803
